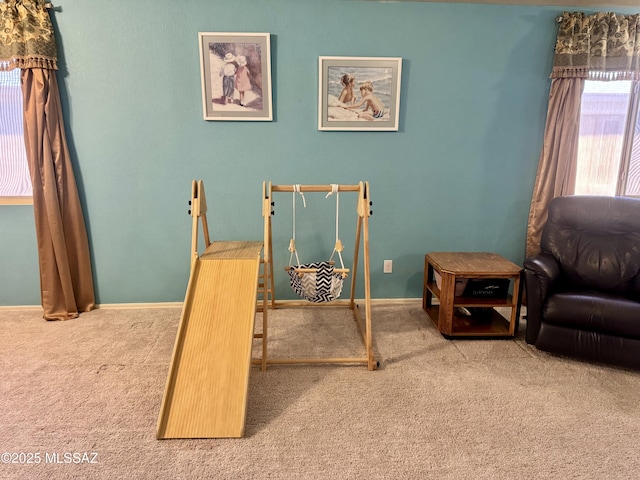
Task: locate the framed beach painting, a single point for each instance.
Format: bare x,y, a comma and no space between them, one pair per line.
359,93
236,76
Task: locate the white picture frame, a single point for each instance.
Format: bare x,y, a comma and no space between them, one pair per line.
340,109
235,73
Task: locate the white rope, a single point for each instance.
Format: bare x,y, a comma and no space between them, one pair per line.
338,244
296,189
292,242
335,189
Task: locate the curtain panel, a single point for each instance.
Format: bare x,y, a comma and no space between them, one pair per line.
599,46
27,42
26,35
556,174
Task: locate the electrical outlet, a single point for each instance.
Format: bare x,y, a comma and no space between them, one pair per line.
388,266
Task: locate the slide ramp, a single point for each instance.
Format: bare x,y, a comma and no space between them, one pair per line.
206,391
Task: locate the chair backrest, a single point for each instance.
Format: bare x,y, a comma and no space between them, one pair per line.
596,239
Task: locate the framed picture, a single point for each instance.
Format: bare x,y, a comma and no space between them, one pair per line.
236,76
359,93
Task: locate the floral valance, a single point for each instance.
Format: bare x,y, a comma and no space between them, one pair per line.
598,46
26,35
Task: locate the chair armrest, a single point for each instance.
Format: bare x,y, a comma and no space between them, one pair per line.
541,272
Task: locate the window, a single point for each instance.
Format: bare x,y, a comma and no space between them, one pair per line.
15,182
609,143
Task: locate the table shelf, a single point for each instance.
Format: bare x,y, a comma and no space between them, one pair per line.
461,301
468,326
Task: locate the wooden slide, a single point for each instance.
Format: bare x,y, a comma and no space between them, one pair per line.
206,391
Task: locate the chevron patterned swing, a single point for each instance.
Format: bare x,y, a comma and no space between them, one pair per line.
320,283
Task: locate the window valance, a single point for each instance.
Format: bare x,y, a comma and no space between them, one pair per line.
26,35
603,46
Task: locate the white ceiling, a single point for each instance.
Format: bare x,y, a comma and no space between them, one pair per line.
561,3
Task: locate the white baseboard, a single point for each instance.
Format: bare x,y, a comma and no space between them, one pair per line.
134,306
23,308
124,306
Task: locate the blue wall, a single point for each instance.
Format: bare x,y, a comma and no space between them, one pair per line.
456,176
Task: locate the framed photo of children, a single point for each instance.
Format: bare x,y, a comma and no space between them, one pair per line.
359,93
236,76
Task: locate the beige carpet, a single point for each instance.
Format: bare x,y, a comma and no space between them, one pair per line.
464,409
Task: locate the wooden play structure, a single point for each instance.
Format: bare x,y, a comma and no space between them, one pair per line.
206,390
229,283
362,237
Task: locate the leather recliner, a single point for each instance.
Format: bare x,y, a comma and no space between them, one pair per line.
583,288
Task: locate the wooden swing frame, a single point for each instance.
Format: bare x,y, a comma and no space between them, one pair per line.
267,287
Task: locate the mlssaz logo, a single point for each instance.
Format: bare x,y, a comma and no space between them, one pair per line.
71,457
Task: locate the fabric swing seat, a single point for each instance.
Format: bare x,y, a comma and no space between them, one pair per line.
321,284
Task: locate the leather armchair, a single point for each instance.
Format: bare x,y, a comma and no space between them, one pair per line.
583,288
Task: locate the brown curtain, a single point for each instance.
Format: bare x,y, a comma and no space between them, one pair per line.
27,42
600,46
557,167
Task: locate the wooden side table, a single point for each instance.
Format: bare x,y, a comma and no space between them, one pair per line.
446,316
